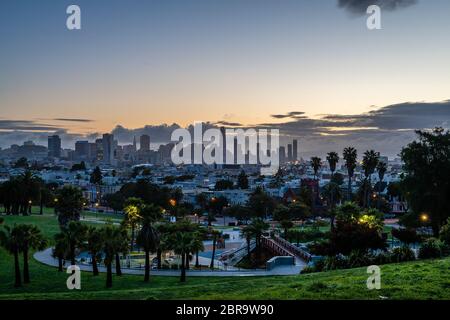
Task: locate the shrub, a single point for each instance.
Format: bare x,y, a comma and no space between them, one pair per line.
336,262
444,235
406,235
403,254
431,248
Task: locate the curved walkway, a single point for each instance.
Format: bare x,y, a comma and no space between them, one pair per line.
45,257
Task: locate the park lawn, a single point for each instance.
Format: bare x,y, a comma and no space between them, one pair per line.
414,280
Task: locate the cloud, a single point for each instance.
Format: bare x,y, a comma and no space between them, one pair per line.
360,6
228,124
72,120
293,114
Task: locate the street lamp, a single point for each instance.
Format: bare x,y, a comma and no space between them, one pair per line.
424,217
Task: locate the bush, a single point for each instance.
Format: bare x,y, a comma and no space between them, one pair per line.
406,235
336,262
444,235
403,254
431,248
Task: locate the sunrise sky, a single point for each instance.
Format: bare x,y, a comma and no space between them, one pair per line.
137,63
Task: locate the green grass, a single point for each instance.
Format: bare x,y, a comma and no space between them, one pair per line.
414,280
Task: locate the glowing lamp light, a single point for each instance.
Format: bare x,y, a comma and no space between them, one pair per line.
424,217
172,202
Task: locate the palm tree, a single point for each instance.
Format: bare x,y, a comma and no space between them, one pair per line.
333,159
10,240
350,155
215,235
247,233
30,238
148,237
197,245
94,246
74,236
333,193
60,249
381,169
109,234
121,244
369,164
258,226
183,245
29,185
132,210
316,164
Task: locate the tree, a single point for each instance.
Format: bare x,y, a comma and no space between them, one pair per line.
224,184
333,193
426,171
333,159
299,211
60,249
148,236
369,164
10,240
30,238
96,176
197,244
215,234
242,182
183,245
69,204
381,169
216,206
21,163
78,167
247,233
444,234
286,225
316,164
258,226
350,155
121,244
74,235
260,203
94,247
109,248
132,215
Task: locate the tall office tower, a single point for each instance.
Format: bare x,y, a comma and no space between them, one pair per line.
145,142
81,150
92,155
289,155
54,146
282,154
108,148
295,149
134,144
224,145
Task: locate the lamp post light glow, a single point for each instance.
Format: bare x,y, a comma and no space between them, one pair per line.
424,217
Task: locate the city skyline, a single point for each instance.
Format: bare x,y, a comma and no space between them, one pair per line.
298,65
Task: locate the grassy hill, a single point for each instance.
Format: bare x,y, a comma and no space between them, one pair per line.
414,280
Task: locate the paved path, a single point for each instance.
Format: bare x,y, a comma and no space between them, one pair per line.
46,258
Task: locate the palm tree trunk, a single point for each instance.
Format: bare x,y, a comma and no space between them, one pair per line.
213,254
94,265
248,248
147,266
159,254
183,269
197,264
187,261
26,270
72,255
132,238
60,264
108,275
349,188
118,269
18,279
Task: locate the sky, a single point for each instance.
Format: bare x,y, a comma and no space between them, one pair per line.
297,65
